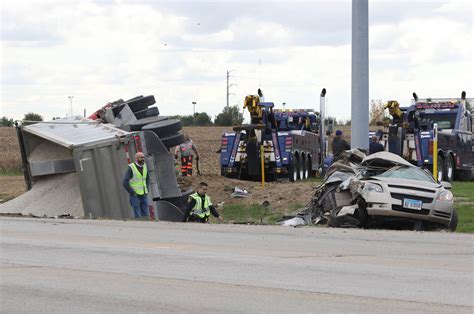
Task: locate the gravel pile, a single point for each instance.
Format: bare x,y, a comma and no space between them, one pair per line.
51,196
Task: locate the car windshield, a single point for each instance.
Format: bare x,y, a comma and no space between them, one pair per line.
410,173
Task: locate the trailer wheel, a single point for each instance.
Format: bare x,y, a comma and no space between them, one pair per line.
173,140
301,168
164,128
294,169
140,123
449,168
441,169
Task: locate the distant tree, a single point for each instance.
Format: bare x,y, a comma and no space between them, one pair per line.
187,120
377,111
468,106
31,116
6,122
202,119
229,116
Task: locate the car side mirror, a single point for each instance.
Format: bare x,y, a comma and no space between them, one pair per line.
446,185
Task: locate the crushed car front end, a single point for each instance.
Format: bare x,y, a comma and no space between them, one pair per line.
409,199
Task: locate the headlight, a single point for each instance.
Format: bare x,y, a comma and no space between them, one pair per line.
445,196
372,187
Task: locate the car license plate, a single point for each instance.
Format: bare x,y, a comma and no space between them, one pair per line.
412,204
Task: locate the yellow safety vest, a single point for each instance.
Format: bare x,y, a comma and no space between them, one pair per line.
138,180
199,210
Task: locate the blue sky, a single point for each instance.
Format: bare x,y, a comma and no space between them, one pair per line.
100,51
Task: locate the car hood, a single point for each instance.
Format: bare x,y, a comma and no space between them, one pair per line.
406,182
385,160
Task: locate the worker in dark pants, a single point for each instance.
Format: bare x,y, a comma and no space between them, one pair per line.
339,144
136,182
199,206
375,146
186,149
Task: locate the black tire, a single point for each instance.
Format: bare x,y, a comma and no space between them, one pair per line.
301,168
464,175
149,112
134,98
139,124
293,174
441,168
454,221
164,128
141,103
173,140
357,220
449,167
307,167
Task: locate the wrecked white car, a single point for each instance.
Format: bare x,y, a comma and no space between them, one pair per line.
378,190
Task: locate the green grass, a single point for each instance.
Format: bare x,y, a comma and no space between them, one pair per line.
464,204
11,173
253,214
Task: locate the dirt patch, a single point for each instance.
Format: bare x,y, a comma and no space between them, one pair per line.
10,158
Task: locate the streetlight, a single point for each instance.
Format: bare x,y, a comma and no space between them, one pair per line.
194,108
70,104
284,105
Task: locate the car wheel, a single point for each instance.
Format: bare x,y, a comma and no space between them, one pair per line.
294,169
441,171
139,124
454,221
301,167
164,128
173,140
419,225
449,168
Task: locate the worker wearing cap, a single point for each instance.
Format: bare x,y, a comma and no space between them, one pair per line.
199,206
339,144
186,149
136,183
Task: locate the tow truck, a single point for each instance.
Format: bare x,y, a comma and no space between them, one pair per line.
285,144
413,129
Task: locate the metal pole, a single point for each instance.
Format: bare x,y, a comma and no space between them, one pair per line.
262,164
70,104
435,151
227,94
360,75
194,108
322,117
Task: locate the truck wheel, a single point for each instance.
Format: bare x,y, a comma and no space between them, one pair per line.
173,140
307,167
293,169
301,168
140,123
164,128
465,175
449,168
441,169
141,103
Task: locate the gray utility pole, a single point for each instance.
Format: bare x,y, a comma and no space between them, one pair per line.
70,104
228,87
360,75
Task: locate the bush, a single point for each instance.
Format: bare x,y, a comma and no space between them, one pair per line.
229,116
6,122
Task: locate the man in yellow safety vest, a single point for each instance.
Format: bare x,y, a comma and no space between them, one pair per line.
136,183
199,206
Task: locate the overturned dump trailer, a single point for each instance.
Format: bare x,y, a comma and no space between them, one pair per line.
74,167
379,190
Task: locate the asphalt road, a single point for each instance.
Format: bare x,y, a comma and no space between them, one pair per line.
90,266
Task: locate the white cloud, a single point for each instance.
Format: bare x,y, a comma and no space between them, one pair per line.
102,51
